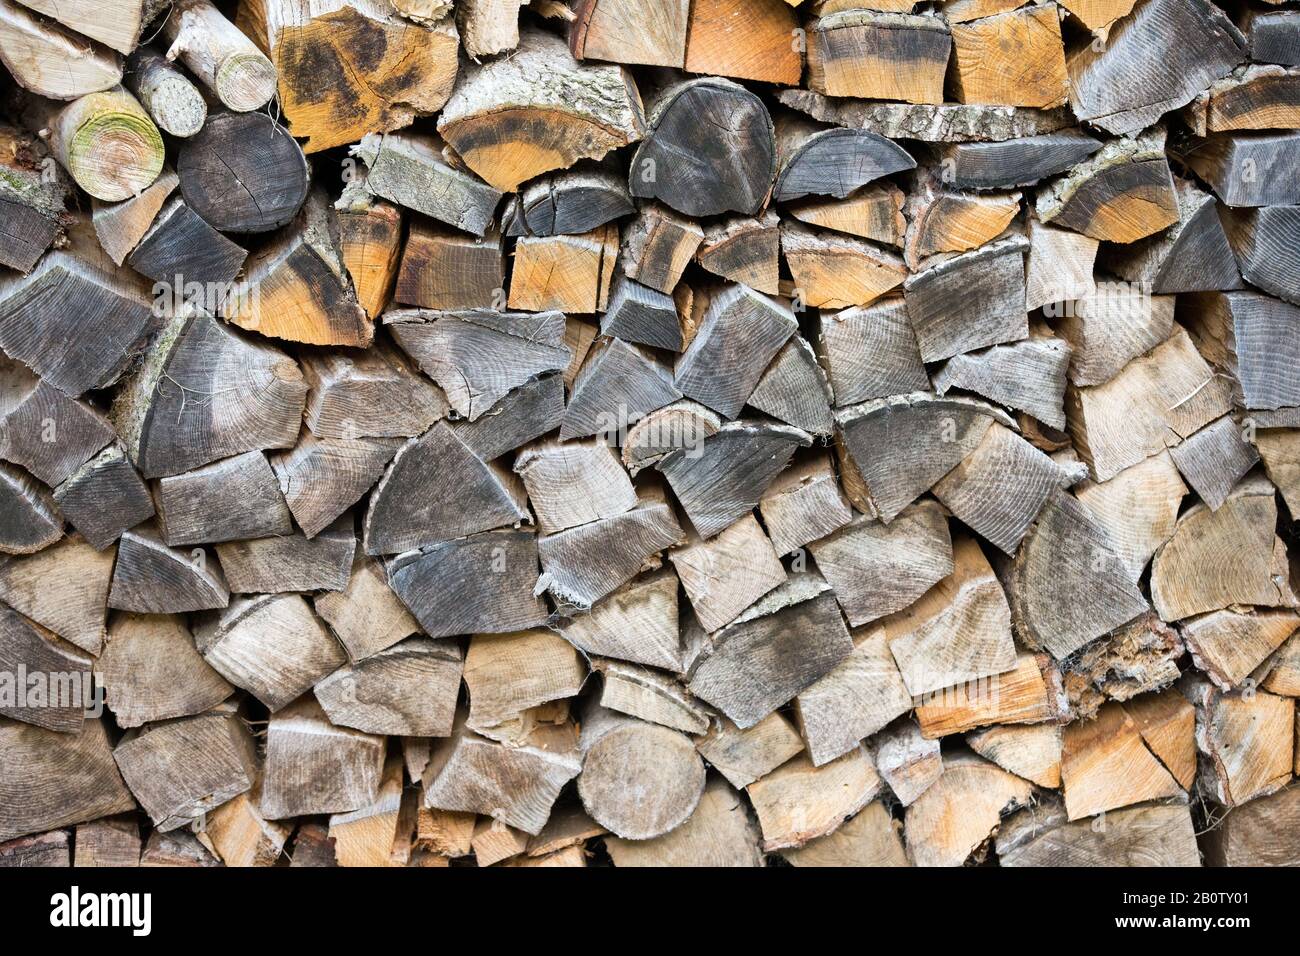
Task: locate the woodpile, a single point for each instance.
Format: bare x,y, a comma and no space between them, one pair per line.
649,432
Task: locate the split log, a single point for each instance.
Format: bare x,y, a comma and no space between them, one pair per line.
1028,375
1280,451
270,645
243,173
30,753
899,447
119,29
228,500
176,848
1258,833
408,689
860,696
525,414
296,287
879,56
862,561
151,671
412,170
570,484
794,389
744,250
366,616
970,301
1032,751
507,674
1029,694
740,334
44,431
445,832
1261,240
658,246
1156,402
409,507
638,313
68,298
1229,645
33,196
31,517
1012,58
948,123
776,649
1140,657
942,220
726,574
1014,162
1190,256
63,587
799,802
730,169
569,203
821,160
226,61
314,767
174,103
1273,36
645,32
119,226
515,785
1247,741
370,244
637,622
492,116
483,583
999,488
1069,552
834,271
743,756
322,52
46,682
1138,508
51,61
1112,325
46,850
180,247
681,425
722,479
619,749
874,212
1192,572
1122,193
238,835
804,504
1248,169
1246,335
372,394
289,562
871,838
1250,97
717,833
1152,834
1166,721
321,478
489,26
650,696
1214,459
480,355
180,769
152,578
1118,86
112,841
584,564
494,842
907,762
747,40
1105,765
870,352
565,273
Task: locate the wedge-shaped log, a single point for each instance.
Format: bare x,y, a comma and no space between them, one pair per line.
179,246
1258,833
501,690
1152,834
411,506
112,841
1032,751
870,352
409,689
1228,645
1192,573
205,393
1214,459
709,148
744,250
570,484
1250,97
871,838
30,754
483,583
650,696
42,429
291,562
375,393
1110,326
51,61
906,761
228,500
657,247
63,587
820,160
1014,162
803,504
1059,267
874,212
638,313
740,334
944,220
603,30
31,519
180,769
893,450
1155,59
799,802
1273,36
1248,169
637,622
773,651
834,271
314,767
1280,451
1247,741
879,56
724,477
1262,240
1248,336
970,301
151,578
715,834
47,683
1138,508
726,574
586,111
961,810
478,356
119,225
151,671
321,478
270,645
743,756
794,389
567,273
366,616
370,243
1068,552
1028,376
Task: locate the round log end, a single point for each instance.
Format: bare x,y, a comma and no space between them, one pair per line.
246,82
641,780
116,155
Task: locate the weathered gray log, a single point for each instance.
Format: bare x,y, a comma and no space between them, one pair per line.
1014,162
409,689
228,500
152,578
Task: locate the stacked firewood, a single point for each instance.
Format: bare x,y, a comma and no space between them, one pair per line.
658,432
